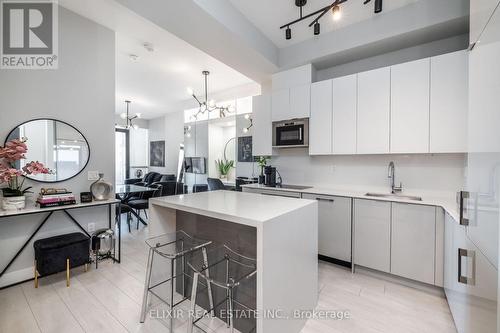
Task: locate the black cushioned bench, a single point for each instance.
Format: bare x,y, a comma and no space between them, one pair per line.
59,253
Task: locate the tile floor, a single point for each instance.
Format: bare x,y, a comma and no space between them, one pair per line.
109,300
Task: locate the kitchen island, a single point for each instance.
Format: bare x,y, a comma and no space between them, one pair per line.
281,233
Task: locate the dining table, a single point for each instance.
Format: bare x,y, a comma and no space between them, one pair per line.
127,191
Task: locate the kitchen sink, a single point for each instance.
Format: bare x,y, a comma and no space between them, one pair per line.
394,196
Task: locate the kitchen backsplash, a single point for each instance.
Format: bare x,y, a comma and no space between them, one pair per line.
440,172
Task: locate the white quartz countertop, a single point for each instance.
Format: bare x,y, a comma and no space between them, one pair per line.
429,198
245,208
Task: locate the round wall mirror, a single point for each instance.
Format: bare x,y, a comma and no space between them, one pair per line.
58,145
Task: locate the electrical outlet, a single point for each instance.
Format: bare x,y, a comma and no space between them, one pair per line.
91,227
93,175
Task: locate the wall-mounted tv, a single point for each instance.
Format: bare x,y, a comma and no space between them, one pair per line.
195,165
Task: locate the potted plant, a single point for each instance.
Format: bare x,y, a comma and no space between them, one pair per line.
224,167
14,194
262,162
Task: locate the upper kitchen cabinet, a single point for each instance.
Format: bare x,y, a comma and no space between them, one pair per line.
374,89
410,107
480,13
320,124
291,103
449,103
300,101
262,125
345,104
281,105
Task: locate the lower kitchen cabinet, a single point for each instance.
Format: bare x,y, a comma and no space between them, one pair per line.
372,234
334,226
413,240
276,193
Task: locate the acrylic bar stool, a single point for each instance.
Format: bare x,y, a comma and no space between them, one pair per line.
224,268
172,246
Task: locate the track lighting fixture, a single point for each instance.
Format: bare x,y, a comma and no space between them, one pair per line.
336,14
317,28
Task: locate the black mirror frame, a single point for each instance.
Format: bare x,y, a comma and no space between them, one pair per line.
76,129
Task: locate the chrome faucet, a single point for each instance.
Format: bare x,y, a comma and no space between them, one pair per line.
392,176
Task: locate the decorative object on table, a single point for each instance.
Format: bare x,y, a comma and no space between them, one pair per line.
245,149
130,119
138,173
334,8
102,245
100,189
262,161
58,140
224,167
11,155
249,118
55,198
59,253
85,197
157,153
207,105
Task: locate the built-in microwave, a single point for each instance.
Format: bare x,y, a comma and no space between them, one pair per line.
291,133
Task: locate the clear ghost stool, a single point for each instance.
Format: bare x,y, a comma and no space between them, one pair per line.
172,246
229,272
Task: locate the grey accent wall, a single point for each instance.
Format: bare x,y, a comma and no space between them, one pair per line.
425,50
82,93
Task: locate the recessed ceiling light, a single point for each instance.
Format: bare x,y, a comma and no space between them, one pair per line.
133,57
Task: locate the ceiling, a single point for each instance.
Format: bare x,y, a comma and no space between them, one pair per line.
268,18
156,82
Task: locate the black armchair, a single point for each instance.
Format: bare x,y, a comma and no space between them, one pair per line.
215,184
170,188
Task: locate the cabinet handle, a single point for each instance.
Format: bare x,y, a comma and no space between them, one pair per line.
463,196
300,133
323,199
466,279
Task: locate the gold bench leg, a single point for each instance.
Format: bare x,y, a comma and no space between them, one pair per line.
67,272
36,275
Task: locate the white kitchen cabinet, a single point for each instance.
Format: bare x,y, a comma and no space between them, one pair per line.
345,105
449,103
439,255
372,234
281,105
374,89
410,107
413,240
320,123
334,226
262,126
300,101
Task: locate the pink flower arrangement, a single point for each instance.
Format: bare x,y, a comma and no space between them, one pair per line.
14,151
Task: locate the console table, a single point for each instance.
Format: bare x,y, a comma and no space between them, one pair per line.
49,211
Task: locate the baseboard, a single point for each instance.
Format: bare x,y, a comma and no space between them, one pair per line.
335,261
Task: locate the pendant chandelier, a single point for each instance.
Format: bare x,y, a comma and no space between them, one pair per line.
207,106
130,120
334,8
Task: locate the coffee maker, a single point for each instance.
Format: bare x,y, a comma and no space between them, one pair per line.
270,176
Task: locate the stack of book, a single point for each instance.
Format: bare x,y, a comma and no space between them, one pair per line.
55,200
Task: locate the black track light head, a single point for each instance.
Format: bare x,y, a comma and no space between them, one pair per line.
317,28
378,6
288,33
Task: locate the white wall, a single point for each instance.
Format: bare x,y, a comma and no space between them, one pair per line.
171,129
439,172
82,93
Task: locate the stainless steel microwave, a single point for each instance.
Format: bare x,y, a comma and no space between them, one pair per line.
291,133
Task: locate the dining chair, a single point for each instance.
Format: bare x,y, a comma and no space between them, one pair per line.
143,204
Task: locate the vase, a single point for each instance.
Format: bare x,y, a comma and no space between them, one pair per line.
100,189
14,203
223,177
